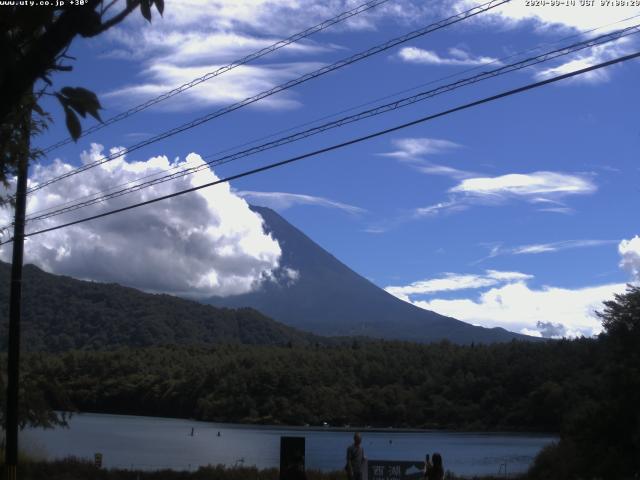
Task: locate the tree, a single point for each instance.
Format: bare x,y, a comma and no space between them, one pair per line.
34,41
601,436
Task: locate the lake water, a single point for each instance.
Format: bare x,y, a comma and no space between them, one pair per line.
152,443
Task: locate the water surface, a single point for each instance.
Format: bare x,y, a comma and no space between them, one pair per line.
152,443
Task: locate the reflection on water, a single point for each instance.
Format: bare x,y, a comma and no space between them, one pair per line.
148,442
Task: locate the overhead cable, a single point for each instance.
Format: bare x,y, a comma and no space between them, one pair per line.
236,63
354,141
282,87
382,109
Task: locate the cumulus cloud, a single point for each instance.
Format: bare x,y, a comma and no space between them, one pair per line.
456,56
283,200
517,306
511,303
208,242
505,299
630,252
551,330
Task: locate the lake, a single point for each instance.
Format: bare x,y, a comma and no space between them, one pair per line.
153,443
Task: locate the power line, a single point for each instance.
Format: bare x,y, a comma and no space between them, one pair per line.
285,86
400,103
498,61
379,133
236,63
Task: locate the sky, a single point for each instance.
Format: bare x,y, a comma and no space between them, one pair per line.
518,213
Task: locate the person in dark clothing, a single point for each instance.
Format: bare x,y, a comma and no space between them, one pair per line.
433,468
355,459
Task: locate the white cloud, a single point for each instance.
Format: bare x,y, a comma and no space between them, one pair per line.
454,282
203,243
412,151
429,57
516,306
630,252
526,185
234,86
198,47
537,248
506,299
412,148
590,57
535,188
198,36
440,208
283,200
577,17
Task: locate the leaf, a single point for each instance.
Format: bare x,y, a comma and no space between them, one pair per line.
73,124
145,8
38,109
83,101
160,6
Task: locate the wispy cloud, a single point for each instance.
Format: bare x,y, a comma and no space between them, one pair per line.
549,19
198,36
457,56
537,188
413,151
413,148
453,282
532,186
440,209
283,200
498,250
558,246
592,56
234,86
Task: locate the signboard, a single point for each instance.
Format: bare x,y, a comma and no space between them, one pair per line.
292,450
394,470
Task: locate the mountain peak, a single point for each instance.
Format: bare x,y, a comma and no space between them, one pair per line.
328,298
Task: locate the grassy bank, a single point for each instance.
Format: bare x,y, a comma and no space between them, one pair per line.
76,469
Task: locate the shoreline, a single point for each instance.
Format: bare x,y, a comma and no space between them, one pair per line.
331,428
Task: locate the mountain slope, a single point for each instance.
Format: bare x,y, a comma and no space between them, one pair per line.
328,298
60,313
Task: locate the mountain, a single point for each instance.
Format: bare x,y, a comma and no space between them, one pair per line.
328,298
61,313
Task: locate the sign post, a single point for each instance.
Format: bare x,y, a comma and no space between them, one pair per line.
394,470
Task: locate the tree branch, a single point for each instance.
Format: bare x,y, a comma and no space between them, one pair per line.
117,18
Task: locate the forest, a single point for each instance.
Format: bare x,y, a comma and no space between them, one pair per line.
515,386
587,390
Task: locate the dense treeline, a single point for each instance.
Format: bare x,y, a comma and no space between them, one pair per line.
61,313
600,435
515,386
588,390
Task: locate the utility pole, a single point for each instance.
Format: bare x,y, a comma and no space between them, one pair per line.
15,299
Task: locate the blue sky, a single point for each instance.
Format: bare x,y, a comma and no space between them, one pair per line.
519,213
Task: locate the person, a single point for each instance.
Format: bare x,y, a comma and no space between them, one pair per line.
355,458
433,468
